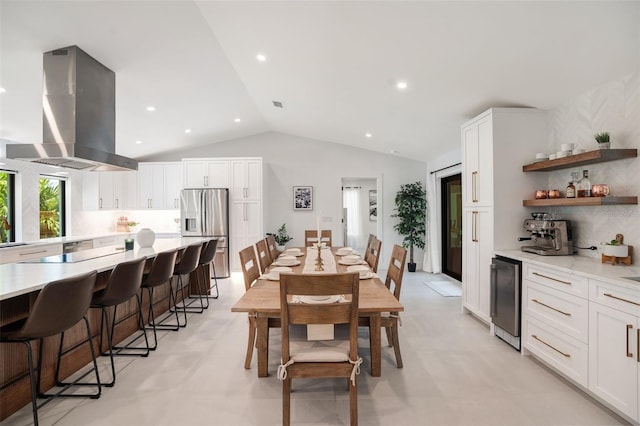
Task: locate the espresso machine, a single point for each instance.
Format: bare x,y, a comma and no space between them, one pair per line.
549,237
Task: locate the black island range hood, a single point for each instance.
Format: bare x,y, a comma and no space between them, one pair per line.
79,115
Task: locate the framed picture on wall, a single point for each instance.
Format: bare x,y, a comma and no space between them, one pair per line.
303,198
373,205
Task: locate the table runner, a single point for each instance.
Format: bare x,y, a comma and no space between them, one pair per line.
328,261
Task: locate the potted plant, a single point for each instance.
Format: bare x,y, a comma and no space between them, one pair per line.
616,247
603,140
281,237
411,210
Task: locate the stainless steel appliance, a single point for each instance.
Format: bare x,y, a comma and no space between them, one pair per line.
506,283
549,237
74,246
79,115
205,213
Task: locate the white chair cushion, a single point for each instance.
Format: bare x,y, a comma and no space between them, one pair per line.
319,351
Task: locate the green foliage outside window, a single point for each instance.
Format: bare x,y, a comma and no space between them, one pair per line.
4,208
49,208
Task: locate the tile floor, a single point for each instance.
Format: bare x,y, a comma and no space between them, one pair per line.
454,373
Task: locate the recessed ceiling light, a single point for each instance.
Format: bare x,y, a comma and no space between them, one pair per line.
368,135
2,90
237,120
401,85
151,108
187,130
260,57
138,142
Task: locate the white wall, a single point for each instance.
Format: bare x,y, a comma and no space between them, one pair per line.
613,107
368,226
291,161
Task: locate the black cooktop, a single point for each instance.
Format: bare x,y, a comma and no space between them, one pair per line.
78,256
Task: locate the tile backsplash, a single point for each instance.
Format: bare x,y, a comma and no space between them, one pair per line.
614,107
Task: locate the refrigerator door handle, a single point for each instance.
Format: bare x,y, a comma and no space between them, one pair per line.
203,213
494,289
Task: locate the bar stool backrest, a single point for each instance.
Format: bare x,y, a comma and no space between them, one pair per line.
208,251
124,282
189,260
59,306
161,269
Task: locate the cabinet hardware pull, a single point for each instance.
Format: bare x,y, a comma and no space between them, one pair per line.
33,252
545,343
117,206
551,307
629,327
620,298
474,184
99,202
474,228
206,181
554,279
638,348
244,212
245,192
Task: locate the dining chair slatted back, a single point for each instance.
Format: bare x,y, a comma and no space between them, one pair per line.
372,256
250,266
272,246
311,237
369,240
59,306
304,360
264,258
251,273
390,322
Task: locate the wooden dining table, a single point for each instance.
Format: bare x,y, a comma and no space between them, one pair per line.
263,300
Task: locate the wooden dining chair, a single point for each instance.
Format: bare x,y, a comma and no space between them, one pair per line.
311,237
251,273
272,246
393,282
368,246
264,257
319,359
372,256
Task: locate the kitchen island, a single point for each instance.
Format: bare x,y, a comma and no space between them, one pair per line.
19,286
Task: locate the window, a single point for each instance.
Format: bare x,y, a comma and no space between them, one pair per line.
7,206
52,207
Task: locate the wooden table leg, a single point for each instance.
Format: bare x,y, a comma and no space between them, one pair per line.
376,344
262,344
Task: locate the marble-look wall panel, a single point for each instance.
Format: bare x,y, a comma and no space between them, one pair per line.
613,107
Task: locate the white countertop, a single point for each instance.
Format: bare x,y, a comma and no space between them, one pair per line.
22,278
581,266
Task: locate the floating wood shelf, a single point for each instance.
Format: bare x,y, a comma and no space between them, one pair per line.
591,157
585,201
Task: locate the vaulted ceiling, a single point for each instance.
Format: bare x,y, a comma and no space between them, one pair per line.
334,66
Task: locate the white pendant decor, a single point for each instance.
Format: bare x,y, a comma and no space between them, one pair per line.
146,237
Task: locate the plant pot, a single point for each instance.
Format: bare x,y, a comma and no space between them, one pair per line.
617,251
280,248
604,145
411,267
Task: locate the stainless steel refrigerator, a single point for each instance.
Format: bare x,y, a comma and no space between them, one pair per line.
205,213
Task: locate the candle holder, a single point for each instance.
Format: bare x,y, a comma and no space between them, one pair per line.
319,265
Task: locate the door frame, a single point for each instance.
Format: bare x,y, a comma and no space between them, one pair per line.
443,235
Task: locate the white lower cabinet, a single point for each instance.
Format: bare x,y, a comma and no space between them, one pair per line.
614,347
29,252
112,240
476,261
245,222
587,330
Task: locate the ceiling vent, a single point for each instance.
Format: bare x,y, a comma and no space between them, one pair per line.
277,104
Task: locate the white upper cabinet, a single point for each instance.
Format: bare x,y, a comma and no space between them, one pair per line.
159,185
247,179
109,190
206,173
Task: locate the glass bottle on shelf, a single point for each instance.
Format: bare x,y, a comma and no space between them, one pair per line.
584,185
571,190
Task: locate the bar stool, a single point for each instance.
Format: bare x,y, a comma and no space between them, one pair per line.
206,258
124,283
58,307
160,273
188,263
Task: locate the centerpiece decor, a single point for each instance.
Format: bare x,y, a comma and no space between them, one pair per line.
411,210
